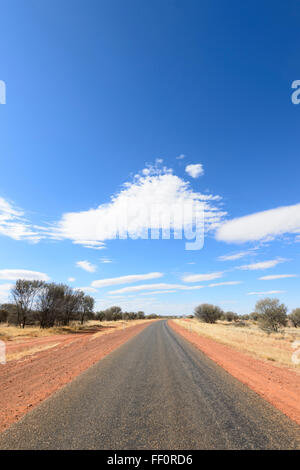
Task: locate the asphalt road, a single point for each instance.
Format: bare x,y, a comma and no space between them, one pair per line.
155,392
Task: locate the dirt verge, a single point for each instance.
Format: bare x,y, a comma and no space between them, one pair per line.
279,386
28,380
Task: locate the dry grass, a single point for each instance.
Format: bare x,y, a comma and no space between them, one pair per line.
275,347
14,333
28,352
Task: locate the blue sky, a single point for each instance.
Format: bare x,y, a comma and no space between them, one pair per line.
97,92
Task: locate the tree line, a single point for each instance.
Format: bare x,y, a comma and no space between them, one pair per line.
49,304
269,313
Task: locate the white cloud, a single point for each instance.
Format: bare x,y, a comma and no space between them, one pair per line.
202,277
180,157
228,283
148,201
71,279
4,292
194,170
86,289
154,292
235,256
263,225
262,265
105,260
276,276
87,266
125,279
14,225
14,274
161,286
268,292
92,244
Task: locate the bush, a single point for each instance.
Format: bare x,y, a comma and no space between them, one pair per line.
272,314
294,317
254,316
208,313
231,316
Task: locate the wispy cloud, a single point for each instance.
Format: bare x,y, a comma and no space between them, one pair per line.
105,260
268,292
227,283
161,286
202,277
262,265
235,256
86,289
126,279
14,274
87,266
180,157
14,225
277,276
154,292
194,170
71,279
265,225
4,292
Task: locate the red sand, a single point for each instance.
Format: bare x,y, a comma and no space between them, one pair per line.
27,381
279,386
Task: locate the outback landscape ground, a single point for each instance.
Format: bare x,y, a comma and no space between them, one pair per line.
152,389
40,363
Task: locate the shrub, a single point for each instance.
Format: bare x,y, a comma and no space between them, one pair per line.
208,313
231,316
295,317
272,314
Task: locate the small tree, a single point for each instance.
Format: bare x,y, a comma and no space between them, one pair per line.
272,314
254,316
71,305
295,317
100,315
208,313
231,316
24,293
49,304
87,307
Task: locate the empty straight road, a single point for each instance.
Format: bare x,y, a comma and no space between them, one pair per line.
154,392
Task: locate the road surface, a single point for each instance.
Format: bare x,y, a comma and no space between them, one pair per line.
154,392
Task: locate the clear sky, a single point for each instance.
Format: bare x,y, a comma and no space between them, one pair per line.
112,100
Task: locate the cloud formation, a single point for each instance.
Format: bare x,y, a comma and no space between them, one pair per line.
86,289
14,225
194,170
147,202
87,266
202,277
268,292
227,283
4,292
14,274
161,286
262,265
276,276
105,260
265,225
235,256
125,279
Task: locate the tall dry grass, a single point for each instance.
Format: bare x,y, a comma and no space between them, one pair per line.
14,333
275,347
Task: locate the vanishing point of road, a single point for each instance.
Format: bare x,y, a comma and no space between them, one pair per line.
154,392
